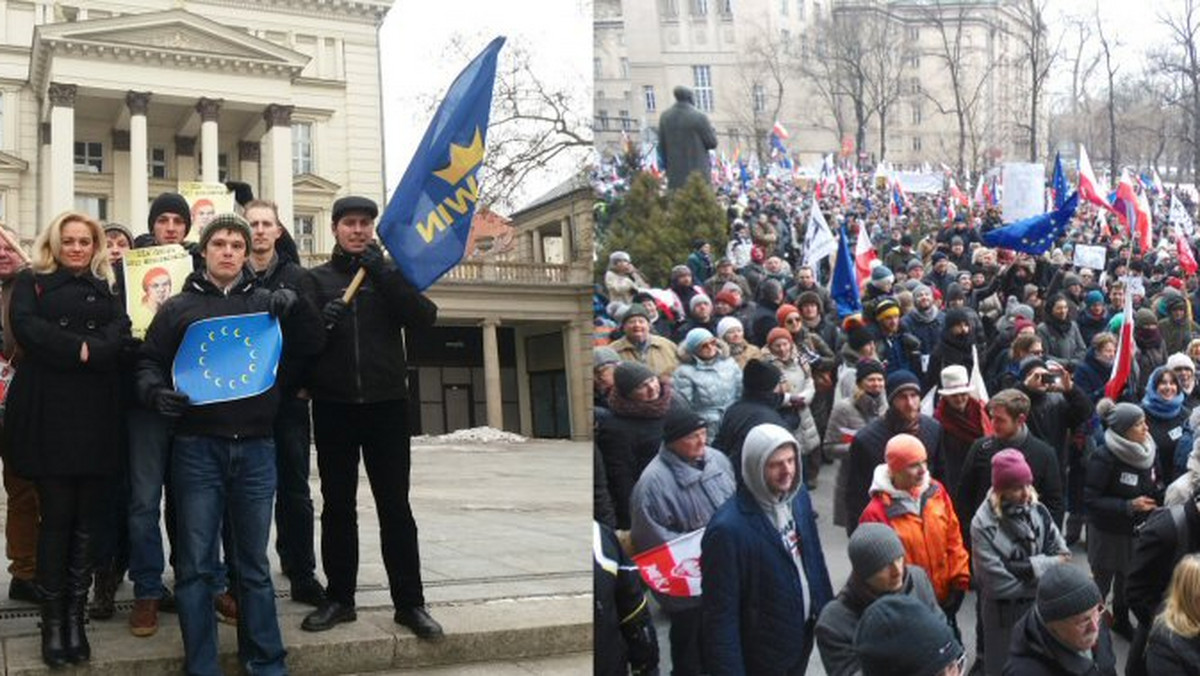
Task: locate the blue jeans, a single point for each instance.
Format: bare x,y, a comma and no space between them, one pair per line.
215,478
149,451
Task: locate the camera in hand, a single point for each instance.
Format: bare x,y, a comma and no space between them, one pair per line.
1051,378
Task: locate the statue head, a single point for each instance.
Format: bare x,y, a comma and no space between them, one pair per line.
684,94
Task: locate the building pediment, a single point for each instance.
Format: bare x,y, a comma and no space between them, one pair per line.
12,163
175,37
311,183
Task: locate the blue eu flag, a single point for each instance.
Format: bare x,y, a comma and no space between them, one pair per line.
228,358
1036,234
844,287
428,220
1059,183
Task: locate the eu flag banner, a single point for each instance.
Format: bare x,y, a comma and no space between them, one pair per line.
1059,182
228,358
1036,234
844,286
428,220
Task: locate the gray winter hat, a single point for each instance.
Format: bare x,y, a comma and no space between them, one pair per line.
1123,416
603,356
628,375
1065,590
872,547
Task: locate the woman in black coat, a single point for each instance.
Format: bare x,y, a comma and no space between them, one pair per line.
63,414
1174,648
1167,417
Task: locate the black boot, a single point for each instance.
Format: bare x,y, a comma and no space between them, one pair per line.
104,593
54,652
79,579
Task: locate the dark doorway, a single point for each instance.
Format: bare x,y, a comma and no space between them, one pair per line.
460,413
548,392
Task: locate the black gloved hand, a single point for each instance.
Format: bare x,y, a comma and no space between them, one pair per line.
642,641
281,303
242,192
1020,569
372,260
170,403
953,601
332,313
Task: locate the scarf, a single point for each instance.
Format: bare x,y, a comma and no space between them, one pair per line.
1061,326
1147,337
624,406
967,426
1157,407
869,405
1140,456
927,316
1017,521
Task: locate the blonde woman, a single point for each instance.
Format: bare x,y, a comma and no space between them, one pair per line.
63,414
1175,639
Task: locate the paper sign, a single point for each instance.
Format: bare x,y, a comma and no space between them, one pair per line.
152,275
1024,191
1088,256
206,201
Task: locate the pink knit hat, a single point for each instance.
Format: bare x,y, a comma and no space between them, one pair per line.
1009,470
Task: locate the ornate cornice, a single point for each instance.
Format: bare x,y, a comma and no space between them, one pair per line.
61,94
138,102
363,11
277,115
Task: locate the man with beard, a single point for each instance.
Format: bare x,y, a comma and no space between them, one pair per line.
806,280
954,348
866,451
940,278
924,321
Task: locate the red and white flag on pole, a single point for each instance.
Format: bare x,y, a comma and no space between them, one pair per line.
1089,189
864,253
1123,364
1186,260
673,568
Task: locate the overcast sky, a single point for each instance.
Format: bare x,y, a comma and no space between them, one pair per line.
417,63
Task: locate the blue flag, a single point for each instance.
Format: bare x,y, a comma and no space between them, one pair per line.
1036,234
428,220
1059,183
844,287
228,358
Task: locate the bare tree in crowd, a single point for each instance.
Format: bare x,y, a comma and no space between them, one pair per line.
1039,49
1182,58
766,73
1110,70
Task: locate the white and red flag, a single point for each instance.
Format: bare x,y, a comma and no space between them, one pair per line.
864,253
1089,189
673,568
779,130
1123,364
1186,260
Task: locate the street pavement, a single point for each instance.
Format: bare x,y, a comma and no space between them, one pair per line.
505,547
833,542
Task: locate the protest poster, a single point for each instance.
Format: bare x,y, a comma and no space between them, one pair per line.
1087,256
1024,191
206,201
152,275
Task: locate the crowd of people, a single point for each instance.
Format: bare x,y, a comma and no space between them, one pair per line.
962,417
95,431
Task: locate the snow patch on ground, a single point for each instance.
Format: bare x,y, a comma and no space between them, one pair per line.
483,435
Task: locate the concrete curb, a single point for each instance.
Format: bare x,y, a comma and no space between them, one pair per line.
496,630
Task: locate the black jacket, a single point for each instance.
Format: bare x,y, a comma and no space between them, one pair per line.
744,415
1053,416
1111,484
976,477
285,273
1155,552
364,358
866,453
1034,652
1169,654
200,299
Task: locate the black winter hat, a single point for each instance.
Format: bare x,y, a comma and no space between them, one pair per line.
680,422
868,367
628,375
169,203
956,315
759,376
901,636
901,380
859,337
345,205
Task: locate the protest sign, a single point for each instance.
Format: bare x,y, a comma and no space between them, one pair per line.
1024,191
1087,256
206,201
152,275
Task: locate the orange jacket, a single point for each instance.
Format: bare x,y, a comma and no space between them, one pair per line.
928,529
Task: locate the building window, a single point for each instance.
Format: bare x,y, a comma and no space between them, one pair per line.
302,148
596,70
914,60
699,7
785,39
626,122
914,33
648,94
759,95
624,68
302,230
916,144
92,205
157,167
726,9
800,8
702,85
914,86
783,7
916,115
670,9
89,157
603,120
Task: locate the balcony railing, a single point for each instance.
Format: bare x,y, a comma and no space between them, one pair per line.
477,271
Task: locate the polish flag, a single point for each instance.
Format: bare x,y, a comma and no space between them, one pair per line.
779,130
1088,188
841,184
958,195
1186,260
1123,364
864,253
673,568
1145,222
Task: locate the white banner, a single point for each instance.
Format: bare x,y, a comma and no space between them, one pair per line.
1180,216
1087,256
920,182
1024,191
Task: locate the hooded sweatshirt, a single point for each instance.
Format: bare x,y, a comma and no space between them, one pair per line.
761,443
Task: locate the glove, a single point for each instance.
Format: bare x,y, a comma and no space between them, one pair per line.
333,311
170,403
371,259
953,602
281,303
642,641
242,192
1020,569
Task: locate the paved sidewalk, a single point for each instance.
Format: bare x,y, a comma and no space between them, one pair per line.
505,541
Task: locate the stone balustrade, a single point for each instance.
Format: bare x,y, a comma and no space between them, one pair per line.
503,272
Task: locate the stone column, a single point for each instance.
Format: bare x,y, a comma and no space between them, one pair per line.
44,174
491,375
249,158
209,109
62,148
577,392
185,158
524,399
277,167
139,200
120,209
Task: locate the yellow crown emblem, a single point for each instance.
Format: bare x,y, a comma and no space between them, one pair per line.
462,160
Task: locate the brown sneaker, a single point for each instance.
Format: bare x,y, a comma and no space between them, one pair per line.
226,608
143,621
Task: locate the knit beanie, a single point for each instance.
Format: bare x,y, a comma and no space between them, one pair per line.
921,290
1180,360
699,299
759,376
808,297
113,226
872,547
680,422
882,275
899,635
728,323
868,367
901,380
1021,324
956,315
727,298
887,307
603,356
1121,417
859,337
628,375
777,333
679,271
1009,470
169,203
902,451
1144,317
226,221
784,310
1093,297
635,310
1065,590
1021,310
695,338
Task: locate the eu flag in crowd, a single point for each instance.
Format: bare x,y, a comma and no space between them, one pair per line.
1036,234
1059,183
844,287
228,358
428,220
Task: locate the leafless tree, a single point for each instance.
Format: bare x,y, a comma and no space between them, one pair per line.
1110,70
887,50
766,74
1182,58
1039,49
838,64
